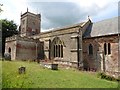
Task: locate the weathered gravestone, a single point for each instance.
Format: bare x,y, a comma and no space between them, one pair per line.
7,56
54,66
22,70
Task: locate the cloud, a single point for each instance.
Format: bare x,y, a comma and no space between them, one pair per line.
59,13
12,10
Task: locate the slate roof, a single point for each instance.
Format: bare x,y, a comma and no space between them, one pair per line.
61,29
102,28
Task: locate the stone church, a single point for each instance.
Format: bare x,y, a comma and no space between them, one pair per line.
87,45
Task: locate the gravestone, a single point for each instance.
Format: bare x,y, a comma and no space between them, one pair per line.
22,70
7,56
54,66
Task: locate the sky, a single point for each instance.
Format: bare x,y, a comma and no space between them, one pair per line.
60,13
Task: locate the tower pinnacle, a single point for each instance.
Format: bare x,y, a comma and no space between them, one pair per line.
27,9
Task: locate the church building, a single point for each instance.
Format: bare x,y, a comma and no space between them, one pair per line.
86,45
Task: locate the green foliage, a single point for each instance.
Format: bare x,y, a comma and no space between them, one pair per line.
107,77
1,8
9,28
39,77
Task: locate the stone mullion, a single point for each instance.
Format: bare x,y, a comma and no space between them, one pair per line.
55,51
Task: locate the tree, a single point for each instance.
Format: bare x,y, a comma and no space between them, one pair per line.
9,28
1,8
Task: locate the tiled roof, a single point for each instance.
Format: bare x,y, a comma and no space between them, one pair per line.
101,28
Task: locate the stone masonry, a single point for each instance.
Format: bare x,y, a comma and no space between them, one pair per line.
86,45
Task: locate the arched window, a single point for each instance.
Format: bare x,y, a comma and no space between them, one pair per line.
57,47
58,50
90,49
9,50
109,48
105,48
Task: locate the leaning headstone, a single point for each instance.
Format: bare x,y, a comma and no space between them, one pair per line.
22,70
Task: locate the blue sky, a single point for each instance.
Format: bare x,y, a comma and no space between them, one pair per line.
59,13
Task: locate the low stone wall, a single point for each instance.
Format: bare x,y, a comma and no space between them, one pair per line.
113,74
66,63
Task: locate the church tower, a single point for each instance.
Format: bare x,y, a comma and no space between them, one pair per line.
30,24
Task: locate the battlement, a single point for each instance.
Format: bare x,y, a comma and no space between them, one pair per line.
30,24
12,38
18,37
26,39
30,14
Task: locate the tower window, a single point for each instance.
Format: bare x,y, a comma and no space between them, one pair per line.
33,23
90,49
23,30
23,22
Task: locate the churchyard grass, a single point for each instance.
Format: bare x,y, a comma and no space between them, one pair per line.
39,77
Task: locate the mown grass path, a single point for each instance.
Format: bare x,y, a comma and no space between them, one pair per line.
38,77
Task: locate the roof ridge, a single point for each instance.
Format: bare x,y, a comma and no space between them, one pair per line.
106,19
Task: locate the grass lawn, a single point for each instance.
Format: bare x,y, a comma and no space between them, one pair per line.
38,77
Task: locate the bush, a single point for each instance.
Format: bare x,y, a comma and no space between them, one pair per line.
7,56
107,77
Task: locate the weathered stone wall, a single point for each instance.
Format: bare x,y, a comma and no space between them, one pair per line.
12,45
33,24
69,47
23,26
26,50
95,61
22,48
30,24
68,36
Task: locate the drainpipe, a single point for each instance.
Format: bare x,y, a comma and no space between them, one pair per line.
118,53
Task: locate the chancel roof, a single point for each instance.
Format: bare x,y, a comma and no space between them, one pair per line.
102,28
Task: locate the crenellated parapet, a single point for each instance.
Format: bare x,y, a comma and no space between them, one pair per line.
18,37
12,38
